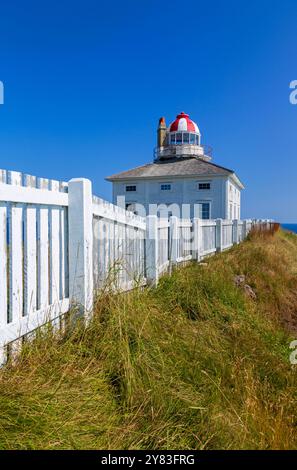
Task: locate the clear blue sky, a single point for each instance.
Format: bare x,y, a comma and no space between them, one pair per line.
85,83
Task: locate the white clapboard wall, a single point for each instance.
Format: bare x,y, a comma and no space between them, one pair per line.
59,243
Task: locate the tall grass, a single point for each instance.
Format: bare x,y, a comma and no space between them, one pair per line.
192,364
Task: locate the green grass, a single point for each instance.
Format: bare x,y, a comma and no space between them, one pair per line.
191,364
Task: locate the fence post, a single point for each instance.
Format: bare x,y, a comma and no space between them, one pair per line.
152,249
173,240
219,234
235,232
80,220
197,238
244,230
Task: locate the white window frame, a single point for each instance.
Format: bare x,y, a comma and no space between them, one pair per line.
197,138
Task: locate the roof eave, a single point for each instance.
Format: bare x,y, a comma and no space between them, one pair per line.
237,180
198,175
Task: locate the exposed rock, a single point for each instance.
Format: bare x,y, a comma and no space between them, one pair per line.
249,292
239,280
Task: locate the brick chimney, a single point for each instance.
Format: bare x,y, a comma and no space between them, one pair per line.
162,132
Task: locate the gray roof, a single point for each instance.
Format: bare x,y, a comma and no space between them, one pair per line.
173,167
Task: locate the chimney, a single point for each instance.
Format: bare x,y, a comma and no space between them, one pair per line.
162,131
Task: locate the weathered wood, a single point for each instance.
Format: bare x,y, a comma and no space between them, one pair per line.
32,196
81,244
43,258
197,239
219,234
174,240
3,265
15,263
235,238
30,261
152,248
54,247
57,241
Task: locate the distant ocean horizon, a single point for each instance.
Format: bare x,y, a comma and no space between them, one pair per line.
291,227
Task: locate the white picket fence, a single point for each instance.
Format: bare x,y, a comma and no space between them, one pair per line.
59,243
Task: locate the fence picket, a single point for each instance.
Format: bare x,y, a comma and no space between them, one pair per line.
3,266
57,241
63,250
16,263
30,261
54,239
55,247
43,258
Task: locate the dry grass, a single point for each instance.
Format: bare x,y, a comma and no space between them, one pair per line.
192,364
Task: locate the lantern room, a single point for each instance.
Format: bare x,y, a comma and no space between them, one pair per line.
184,131
181,139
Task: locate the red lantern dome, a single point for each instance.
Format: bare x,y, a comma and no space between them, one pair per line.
183,123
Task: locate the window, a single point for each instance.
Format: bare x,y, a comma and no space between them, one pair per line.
131,187
166,187
204,186
204,210
179,138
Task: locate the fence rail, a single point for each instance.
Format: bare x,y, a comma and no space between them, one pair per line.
59,243
118,246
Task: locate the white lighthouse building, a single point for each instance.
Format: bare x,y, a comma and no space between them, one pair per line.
181,176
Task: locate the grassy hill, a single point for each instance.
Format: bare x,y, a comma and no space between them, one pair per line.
200,362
